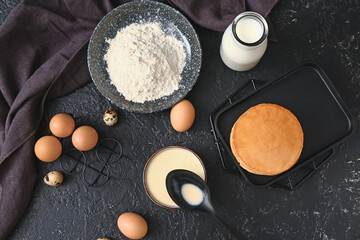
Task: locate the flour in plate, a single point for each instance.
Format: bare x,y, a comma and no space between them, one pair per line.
144,63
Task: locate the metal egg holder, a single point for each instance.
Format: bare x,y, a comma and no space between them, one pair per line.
95,173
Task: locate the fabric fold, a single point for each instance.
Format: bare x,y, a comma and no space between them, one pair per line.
43,45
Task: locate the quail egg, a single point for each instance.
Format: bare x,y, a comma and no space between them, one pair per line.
54,178
110,117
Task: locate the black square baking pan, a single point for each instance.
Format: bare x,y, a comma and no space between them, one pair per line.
308,93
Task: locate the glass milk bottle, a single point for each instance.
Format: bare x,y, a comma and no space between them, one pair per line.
244,41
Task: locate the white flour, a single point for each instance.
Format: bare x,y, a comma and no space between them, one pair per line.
144,63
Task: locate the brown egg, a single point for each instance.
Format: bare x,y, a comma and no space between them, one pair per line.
132,225
48,149
182,116
62,125
85,138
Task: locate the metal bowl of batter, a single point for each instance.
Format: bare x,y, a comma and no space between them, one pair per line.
172,22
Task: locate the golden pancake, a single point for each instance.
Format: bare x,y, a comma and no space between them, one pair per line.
267,139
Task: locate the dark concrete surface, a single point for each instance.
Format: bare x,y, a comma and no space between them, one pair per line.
326,206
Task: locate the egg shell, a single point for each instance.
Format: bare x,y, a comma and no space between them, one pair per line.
48,149
110,117
62,125
182,116
85,138
132,225
54,178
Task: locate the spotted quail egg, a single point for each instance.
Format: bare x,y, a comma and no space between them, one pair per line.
110,117
54,178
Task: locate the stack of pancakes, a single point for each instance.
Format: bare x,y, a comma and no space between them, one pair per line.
267,139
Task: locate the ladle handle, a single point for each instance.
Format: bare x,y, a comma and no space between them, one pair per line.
231,228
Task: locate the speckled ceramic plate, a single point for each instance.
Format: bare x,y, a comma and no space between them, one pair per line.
172,22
